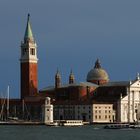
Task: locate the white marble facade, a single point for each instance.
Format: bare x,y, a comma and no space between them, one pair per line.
128,106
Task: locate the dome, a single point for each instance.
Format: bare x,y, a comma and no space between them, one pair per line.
97,74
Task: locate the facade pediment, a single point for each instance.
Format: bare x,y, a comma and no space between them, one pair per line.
136,84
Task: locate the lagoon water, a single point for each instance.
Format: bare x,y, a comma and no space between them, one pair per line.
66,133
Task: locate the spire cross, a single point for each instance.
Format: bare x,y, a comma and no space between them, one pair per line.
28,18
138,76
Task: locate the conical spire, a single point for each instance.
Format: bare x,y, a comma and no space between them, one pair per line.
97,64
57,74
28,32
57,79
71,77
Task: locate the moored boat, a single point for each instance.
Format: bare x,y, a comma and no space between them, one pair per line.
71,123
117,126
136,126
52,124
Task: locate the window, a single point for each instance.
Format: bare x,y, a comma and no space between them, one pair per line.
89,116
32,51
24,51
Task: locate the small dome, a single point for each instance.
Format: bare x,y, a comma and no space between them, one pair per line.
97,74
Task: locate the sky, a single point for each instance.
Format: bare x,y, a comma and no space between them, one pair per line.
70,34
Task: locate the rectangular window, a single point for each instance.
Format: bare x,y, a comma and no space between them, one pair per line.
24,51
89,116
32,51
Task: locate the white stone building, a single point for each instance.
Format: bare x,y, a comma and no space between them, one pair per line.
103,113
47,114
125,97
128,105
93,113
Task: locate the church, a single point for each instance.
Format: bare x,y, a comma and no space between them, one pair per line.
97,100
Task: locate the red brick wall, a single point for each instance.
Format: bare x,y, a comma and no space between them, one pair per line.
83,92
29,81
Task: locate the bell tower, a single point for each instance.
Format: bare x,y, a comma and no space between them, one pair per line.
28,63
71,78
57,79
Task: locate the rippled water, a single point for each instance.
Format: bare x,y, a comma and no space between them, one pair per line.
65,133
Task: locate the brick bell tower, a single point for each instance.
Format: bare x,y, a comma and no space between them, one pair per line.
28,63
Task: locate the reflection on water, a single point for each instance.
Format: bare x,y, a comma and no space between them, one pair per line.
66,133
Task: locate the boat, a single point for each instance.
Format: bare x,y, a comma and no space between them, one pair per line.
71,123
118,126
4,114
52,124
135,126
123,126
